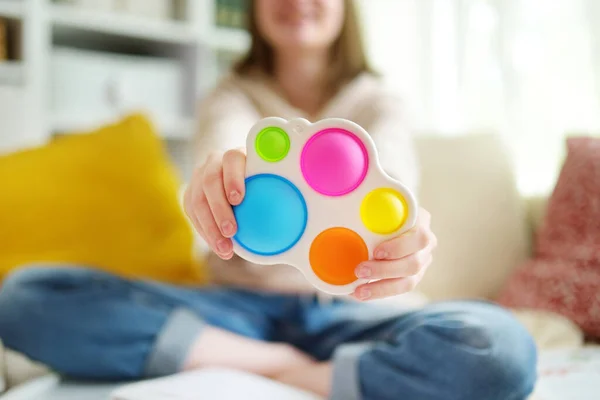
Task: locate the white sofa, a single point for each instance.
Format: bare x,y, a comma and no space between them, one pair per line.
484,228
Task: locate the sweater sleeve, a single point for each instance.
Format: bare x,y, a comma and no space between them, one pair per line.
385,120
225,117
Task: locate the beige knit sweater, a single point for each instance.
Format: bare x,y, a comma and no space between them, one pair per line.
237,103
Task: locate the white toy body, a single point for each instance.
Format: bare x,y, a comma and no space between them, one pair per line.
323,211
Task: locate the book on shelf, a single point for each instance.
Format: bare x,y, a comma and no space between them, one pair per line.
231,13
14,40
3,40
240,14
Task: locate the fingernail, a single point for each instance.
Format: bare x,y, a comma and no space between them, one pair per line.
381,255
363,271
363,293
234,196
227,228
223,246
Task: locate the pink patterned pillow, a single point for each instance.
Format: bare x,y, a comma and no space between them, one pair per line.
564,275
561,286
571,229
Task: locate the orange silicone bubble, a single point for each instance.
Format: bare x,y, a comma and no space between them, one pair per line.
335,253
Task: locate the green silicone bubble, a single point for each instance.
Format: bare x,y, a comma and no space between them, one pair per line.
272,144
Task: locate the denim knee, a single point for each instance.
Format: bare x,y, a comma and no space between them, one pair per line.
82,322
457,351
493,357
24,295
50,276
16,289
46,313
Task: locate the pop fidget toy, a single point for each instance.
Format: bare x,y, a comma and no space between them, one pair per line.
317,199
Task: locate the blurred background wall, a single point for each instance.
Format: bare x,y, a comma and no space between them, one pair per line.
527,69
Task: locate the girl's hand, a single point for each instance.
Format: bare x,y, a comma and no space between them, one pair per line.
399,264
215,187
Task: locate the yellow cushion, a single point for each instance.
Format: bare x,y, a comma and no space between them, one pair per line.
106,199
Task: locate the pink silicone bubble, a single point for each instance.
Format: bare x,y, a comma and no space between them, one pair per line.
334,162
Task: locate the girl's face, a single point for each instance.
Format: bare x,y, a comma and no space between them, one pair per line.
300,24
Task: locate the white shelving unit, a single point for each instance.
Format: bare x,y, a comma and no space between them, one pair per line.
21,96
12,8
11,73
123,25
230,40
29,114
172,128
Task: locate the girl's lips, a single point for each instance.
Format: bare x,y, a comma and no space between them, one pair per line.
296,18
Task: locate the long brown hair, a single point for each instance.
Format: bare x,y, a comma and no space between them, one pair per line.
348,57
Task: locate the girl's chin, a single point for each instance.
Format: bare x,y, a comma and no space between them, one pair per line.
300,41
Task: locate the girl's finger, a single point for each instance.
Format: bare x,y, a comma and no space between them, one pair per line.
221,245
187,206
214,191
401,268
387,287
234,172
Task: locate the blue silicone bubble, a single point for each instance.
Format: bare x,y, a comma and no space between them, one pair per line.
272,217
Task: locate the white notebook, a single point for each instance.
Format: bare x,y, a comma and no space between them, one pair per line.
569,374
210,384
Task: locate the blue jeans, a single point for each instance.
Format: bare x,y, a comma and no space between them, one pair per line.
91,325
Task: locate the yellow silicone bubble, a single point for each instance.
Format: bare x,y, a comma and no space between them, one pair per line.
384,211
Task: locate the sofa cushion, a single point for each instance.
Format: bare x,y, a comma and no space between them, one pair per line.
16,369
20,368
2,369
571,228
565,287
106,199
478,215
536,207
564,275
